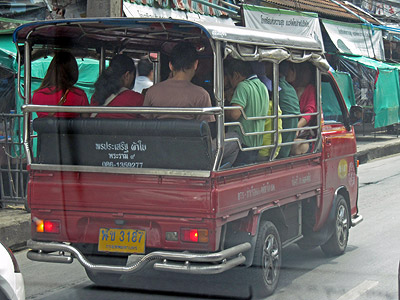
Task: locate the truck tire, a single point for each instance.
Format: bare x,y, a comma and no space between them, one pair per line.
337,243
267,261
103,278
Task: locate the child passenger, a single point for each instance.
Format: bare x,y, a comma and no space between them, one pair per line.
114,88
57,87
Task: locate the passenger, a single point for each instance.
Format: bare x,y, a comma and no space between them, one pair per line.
252,96
268,138
57,87
289,104
260,69
114,88
146,75
178,91
306,92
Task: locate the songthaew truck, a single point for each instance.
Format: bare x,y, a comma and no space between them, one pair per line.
104,189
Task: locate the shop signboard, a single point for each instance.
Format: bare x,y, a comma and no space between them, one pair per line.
134,10
356,39
283,21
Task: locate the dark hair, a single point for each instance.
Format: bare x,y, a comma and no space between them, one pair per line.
183,56
62,10
62,73
239,66
144,67
110,81
284,68
307,71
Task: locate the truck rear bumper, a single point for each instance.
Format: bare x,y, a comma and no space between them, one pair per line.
181,262
355,220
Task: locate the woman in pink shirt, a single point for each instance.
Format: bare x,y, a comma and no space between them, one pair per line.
114,88
57,87
306,92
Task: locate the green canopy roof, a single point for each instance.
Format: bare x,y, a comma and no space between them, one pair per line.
387,90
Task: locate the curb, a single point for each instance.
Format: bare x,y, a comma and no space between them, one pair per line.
369,154
15,228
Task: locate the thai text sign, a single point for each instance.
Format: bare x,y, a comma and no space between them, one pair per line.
356,39
283,21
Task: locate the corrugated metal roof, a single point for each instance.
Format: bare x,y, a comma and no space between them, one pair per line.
324,8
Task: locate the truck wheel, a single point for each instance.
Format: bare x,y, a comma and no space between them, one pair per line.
337,243
267,261
103,278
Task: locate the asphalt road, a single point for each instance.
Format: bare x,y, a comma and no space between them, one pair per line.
368,270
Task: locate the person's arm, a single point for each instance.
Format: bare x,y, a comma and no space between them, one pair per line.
147,103
234,114
239,99
85,102
302,122
309,106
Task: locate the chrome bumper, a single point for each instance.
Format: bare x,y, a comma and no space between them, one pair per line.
355,220
181,262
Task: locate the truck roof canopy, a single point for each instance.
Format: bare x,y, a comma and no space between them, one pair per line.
116,34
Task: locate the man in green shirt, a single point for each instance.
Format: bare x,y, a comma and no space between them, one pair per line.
252,96
289,104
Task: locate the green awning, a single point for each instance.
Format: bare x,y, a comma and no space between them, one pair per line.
386,95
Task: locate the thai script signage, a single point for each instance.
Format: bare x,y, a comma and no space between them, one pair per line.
356,39
283,21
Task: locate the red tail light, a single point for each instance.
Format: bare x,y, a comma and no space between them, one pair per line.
51,226
194,235
48,226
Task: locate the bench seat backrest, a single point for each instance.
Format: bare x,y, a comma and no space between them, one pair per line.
128,143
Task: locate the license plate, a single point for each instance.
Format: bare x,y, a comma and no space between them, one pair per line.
122,240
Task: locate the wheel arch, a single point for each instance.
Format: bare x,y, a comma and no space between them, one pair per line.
342,191
273,214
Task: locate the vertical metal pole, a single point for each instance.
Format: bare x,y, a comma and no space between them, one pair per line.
19,74
157,69
318,88
27,75
27,91
102,63
219,95
275,98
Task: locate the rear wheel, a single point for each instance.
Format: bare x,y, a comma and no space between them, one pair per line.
337,243
267,261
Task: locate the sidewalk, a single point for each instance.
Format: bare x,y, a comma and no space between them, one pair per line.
15,222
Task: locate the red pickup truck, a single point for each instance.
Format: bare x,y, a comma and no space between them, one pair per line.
101,190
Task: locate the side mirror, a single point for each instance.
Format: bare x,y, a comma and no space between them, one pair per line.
356,114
